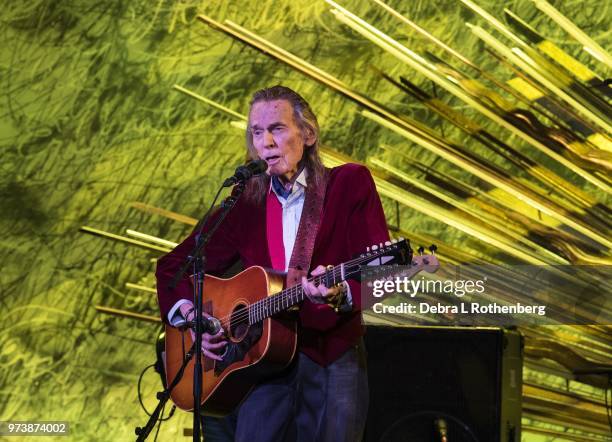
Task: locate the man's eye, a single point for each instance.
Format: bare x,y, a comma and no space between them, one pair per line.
257,132
277,129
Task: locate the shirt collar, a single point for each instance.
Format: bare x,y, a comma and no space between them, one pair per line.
277,187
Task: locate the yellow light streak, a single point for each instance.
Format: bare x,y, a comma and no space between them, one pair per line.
209,102
133,242
546,254
416,62
151,238
522,60
590,45
142,288
494,179
147,208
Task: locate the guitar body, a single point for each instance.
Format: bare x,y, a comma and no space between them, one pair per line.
253,354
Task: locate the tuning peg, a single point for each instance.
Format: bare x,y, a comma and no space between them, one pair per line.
421,250
374,247
433,248
394,240
387,243
368,249
380,245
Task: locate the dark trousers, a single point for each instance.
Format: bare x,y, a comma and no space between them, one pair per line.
219,429
310,403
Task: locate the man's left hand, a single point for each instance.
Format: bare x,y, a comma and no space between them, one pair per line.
321,294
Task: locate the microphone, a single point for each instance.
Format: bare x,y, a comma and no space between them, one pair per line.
246,171
209,325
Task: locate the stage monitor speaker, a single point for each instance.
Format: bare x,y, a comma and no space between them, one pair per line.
427,382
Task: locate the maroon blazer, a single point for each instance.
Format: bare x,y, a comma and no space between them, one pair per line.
352,220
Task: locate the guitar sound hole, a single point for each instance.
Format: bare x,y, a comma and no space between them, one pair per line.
239,323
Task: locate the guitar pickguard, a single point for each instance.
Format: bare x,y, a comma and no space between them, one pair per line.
236,351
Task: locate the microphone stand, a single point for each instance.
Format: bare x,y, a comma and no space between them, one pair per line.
197,260
143,432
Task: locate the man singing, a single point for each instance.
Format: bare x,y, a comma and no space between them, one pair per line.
297,206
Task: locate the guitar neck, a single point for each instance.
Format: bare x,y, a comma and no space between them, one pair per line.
286,299
390,254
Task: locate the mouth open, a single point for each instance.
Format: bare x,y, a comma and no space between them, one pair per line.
272,159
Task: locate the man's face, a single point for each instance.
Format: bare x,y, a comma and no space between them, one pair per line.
277,137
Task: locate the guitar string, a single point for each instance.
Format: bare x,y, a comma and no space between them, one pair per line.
259,308
264,308
287,294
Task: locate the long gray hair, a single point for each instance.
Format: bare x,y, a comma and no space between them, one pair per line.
307,122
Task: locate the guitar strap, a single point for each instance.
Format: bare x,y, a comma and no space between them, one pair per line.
311,315
307,231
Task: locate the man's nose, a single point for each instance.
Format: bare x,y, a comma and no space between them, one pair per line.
268,139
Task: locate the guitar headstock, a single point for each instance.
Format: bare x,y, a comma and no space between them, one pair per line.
420,262
396,251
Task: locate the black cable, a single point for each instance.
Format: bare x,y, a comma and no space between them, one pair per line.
161,419
167,418
160,422
138,388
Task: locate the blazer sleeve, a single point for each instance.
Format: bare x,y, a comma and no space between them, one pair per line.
366,226
221,253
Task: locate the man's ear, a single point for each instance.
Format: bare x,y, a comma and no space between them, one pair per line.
310,138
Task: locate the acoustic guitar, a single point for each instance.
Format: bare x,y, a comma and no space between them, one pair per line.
262,340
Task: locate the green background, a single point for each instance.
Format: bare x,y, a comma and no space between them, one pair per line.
90,123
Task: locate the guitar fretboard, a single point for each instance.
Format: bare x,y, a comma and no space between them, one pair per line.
282,301
286,299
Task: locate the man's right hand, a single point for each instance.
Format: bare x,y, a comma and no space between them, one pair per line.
212,345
